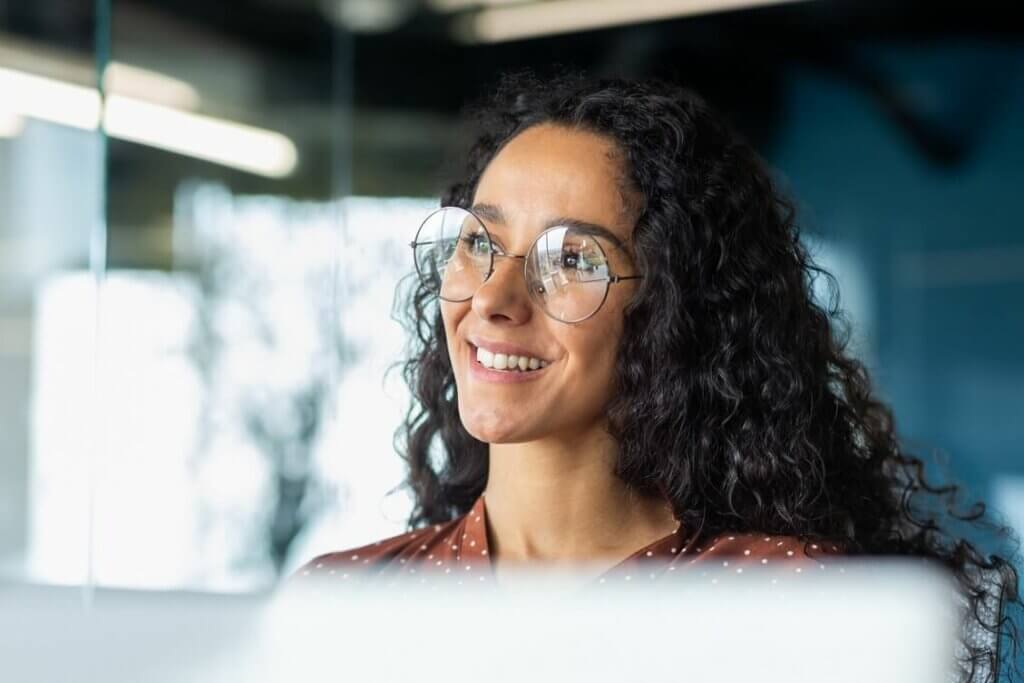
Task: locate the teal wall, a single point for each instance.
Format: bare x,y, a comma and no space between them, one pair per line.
942,243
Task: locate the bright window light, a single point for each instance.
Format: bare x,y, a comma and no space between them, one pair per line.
130,449
155,444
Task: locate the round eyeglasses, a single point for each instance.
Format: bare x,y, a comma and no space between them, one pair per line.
566,270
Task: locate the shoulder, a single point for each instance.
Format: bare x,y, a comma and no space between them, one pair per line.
380,554
766,549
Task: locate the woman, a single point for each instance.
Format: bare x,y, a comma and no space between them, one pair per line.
620,361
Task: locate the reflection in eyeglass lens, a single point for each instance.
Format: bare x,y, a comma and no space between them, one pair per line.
566,270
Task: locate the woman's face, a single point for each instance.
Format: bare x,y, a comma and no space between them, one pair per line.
545,173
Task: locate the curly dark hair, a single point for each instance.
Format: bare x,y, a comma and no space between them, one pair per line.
736,398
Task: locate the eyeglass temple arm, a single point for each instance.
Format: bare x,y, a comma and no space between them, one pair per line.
617,278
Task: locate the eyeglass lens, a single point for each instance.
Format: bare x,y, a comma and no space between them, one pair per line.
566,269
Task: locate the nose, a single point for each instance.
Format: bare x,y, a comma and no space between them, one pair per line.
503,296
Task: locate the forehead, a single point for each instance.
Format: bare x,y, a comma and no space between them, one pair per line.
548,171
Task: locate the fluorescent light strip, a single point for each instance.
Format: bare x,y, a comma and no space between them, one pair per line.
500,24
69,67
150,86
50,100
230,144
461,5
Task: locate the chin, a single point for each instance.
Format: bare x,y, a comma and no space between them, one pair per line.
492,428
489,433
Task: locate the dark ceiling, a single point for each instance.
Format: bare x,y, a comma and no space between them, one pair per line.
418,65
734,58
730,56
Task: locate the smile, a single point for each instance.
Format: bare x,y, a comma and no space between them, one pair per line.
503,368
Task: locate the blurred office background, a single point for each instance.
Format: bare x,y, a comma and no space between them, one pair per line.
196,297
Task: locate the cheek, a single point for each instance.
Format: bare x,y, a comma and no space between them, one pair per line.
595,347
607,331
451,315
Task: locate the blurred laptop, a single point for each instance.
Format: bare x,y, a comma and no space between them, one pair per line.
879,622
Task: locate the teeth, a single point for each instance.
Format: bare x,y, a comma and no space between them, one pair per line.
502,361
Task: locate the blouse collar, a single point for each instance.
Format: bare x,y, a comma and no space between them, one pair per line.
472,549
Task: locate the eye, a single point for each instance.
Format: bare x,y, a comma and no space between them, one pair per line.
578,261
476,243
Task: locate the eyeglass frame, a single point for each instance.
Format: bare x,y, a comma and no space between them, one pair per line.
496,250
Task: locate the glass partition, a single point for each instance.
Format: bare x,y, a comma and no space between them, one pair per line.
52,188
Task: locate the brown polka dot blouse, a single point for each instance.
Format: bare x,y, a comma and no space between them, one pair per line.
460,548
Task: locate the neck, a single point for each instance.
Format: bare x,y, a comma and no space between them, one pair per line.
559,500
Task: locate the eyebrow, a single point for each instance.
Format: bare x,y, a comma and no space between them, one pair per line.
493,213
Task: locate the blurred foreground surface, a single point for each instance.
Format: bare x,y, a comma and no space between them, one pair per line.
881,623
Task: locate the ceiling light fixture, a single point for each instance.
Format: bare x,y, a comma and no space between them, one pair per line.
231,144
222,142
72,68
50,100
499,24
151,86
462,5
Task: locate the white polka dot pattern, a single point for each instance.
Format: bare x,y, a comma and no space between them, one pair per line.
462,543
